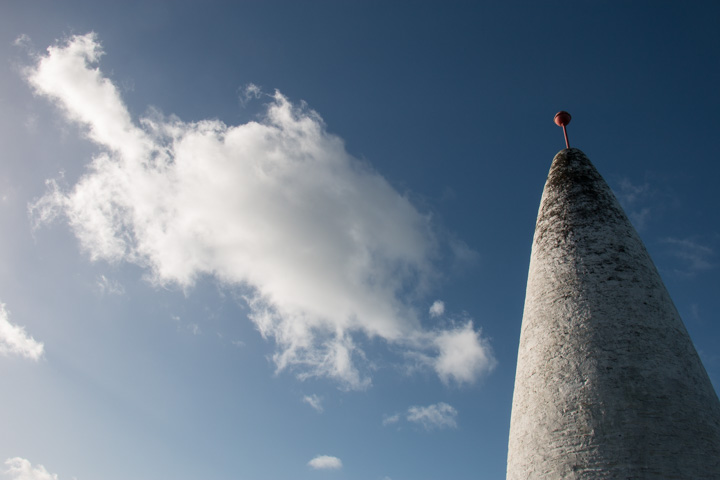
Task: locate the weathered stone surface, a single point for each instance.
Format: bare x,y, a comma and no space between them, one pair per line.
608,383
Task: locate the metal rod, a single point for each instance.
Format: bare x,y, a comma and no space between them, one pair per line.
562,118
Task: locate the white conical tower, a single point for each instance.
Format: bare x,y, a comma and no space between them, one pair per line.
608,383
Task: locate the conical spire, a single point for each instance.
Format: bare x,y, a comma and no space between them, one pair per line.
608,383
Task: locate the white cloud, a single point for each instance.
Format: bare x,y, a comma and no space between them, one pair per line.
437,309
323,247
15,341
22,469
314,401
437,416
325,462
464,355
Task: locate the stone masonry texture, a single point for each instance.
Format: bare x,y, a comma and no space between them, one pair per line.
608,382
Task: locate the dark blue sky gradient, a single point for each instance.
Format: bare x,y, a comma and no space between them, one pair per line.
453,104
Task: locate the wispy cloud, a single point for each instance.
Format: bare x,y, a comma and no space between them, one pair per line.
314,401
248,93
635,201
391,419
108,286
694,256
432,417
21,469
22,41
647,201
437,416
325,462
323,247
631,193
15,341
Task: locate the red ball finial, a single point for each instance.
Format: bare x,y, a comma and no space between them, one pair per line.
562,118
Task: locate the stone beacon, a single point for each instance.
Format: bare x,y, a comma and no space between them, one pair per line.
608,382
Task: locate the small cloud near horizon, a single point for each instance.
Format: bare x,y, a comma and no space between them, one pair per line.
325,462
21,469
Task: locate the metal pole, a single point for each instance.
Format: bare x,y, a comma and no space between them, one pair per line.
562,118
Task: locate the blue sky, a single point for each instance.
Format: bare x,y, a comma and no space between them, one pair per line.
273,240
